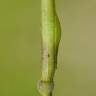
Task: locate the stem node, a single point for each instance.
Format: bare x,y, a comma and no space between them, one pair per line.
45,87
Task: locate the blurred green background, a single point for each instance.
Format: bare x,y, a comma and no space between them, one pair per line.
20,48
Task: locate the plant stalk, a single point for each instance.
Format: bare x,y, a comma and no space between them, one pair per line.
51,34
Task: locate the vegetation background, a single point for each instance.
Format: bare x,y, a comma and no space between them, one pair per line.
20,48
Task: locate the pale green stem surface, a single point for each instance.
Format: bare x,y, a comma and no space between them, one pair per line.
51,33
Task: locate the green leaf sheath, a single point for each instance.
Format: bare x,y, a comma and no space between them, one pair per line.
51,33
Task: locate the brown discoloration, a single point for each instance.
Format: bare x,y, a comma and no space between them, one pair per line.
45,54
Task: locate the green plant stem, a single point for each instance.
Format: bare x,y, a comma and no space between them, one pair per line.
51,33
